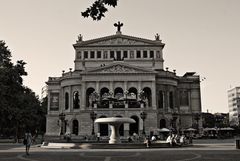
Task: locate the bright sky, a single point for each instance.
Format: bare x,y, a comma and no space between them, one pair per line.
200,35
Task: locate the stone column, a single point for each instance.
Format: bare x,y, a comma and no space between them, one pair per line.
189,101
125,89
70,99
167,100
154,106
163,99
62,100
139,89
111,89
97,87
83,96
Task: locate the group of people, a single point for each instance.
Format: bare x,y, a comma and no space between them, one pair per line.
172,139
175,139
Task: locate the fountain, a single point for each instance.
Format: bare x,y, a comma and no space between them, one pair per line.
115,123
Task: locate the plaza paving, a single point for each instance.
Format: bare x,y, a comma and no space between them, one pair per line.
216,150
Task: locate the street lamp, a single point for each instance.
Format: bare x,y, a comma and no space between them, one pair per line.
174,116
143,116
62,118
197,118
93,116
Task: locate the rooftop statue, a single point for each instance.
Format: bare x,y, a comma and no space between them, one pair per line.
118,25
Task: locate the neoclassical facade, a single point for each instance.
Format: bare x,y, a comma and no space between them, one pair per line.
123,76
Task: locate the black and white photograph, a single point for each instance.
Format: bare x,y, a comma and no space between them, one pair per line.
119,80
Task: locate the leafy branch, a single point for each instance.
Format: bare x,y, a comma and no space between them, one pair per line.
98,9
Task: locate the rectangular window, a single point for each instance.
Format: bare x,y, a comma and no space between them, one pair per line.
105,55
184,98
171,100
119,58
125,54
131,54
151,54
160,99
85,54
138,54
92,54
145,54
98,54
111,54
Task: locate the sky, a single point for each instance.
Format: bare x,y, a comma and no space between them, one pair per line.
200,35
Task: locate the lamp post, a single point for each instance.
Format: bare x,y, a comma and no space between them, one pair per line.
143,116
62,118
174,116
93,116
197,118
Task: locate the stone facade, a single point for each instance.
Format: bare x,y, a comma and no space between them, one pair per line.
124,76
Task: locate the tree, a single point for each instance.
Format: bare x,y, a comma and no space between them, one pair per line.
19,106
98,9
10,85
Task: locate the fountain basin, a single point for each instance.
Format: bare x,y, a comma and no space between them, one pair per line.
115,123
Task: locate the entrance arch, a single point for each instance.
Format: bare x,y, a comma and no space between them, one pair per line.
103,128
75,127
162,123
134,127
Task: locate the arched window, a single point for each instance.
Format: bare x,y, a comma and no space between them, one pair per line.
75,127
119,98
133,92
104,91
89,99
134,127
76,100
104,98
118,92
148,96
66,100
132,98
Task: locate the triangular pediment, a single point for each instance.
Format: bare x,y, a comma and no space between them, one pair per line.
118,40
119,68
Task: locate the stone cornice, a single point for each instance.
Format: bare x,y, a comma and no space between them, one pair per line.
109,41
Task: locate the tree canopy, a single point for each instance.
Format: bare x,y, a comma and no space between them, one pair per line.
20,108
98,9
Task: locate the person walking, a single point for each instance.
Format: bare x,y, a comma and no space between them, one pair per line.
28,141
147,142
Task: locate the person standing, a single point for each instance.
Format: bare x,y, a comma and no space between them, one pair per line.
28,141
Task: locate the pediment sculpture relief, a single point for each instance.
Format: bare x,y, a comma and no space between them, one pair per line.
118,69
119,41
